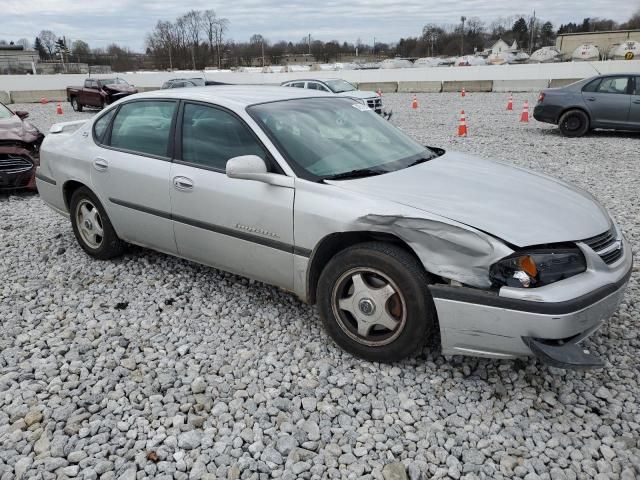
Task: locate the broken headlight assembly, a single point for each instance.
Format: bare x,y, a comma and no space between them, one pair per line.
536,268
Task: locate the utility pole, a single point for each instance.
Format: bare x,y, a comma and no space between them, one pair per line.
462,19
309,44
374,46
263,53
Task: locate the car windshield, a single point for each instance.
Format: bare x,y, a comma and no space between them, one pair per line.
333,138
339,86
112,81
5,112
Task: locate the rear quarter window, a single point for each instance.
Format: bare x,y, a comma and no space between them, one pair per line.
101,124
592,86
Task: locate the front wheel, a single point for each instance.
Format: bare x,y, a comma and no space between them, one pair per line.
75,105
375,303
92,227
574,123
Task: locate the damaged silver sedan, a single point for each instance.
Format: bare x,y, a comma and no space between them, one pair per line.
322,197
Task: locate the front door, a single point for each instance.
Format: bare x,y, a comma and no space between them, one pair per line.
634,111
131,168
241,226
609,102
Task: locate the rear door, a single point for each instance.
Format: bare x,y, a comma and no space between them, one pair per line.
609,101
131,164
634,111
241,226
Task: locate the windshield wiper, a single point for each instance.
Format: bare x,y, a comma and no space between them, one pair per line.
421,160
362,172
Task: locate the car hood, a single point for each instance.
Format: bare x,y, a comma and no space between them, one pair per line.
358,94
119,88
516,205
15,129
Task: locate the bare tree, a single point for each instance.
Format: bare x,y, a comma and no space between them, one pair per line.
193,23
220,31
48,40
25,43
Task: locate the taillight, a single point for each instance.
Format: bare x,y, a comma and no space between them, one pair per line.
541,97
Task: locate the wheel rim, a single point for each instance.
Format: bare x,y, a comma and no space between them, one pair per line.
369,307
572,123
89,224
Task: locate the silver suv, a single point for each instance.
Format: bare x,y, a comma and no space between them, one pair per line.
344,89
320,196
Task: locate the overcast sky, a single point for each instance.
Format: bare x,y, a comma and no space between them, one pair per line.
126,22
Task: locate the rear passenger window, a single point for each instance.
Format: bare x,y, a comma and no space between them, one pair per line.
100,127
211,136
613,85
143,127
297,85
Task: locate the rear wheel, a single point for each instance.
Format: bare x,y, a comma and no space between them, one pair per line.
92,227
75,105
375,303
574,123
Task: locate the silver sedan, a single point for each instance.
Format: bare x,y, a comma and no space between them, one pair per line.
320,196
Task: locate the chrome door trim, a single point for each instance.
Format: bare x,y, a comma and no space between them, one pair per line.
239,234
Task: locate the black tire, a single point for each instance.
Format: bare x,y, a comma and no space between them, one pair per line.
574,123
107,245
77,107
411,304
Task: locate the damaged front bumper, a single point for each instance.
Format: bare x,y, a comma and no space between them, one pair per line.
17,168
487,324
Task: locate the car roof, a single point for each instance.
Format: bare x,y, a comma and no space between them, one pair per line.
321,80
234,95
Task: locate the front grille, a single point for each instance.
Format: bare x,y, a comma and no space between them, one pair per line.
606,245
11,164
375,104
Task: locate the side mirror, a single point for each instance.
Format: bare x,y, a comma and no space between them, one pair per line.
22,114
252,167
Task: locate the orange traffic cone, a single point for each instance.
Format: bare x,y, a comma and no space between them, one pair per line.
414,104
379,92
510,103
44,101
59,109
462,126
463,93
524,116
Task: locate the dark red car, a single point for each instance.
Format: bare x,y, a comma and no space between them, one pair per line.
19,150
98,92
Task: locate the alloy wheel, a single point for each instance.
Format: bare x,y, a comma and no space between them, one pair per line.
369,307
89,224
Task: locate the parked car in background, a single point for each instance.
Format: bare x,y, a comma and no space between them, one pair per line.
19,150
606,101
322,197
344,89
98,92
184,82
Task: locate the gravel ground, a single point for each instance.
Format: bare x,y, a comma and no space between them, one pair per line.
153,367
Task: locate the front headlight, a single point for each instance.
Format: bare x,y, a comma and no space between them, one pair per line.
536,268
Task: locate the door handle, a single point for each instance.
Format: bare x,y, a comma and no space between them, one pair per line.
100,164
591,99
183,183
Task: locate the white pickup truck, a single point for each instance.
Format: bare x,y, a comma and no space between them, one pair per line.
344,89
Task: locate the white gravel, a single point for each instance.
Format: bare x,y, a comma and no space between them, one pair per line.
153,367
